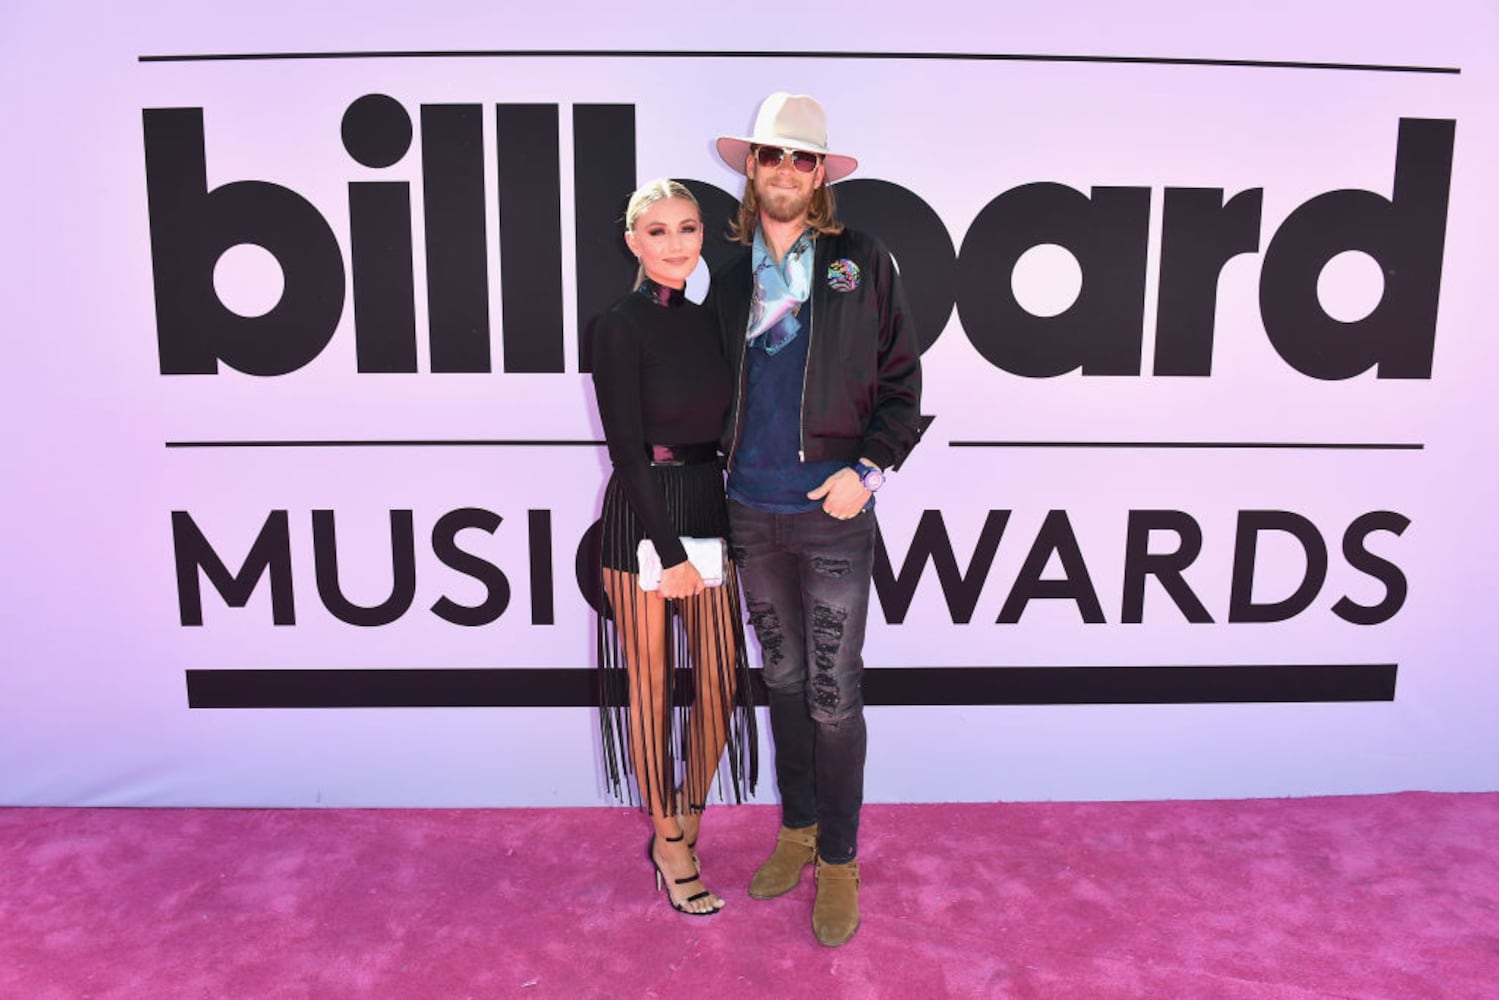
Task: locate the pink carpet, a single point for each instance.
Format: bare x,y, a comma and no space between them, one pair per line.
1389,896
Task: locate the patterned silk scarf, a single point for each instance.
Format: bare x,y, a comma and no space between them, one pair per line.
779,291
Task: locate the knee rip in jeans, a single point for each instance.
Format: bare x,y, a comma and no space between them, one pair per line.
827,638
767,625
833,568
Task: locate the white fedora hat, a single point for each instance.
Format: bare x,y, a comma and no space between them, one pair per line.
793,121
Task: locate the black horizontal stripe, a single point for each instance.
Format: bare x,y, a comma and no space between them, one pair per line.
1203,445
553,443
1019,685
1032,57
390,443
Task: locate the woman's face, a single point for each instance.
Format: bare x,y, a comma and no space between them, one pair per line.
668,239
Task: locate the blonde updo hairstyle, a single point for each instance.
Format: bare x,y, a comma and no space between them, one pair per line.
647,195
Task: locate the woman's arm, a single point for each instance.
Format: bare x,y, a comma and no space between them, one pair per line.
617,365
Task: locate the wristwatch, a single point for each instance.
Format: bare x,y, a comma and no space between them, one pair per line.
870,477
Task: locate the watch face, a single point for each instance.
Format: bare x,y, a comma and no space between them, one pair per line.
872,479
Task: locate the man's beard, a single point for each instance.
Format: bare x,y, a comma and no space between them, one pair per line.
784,206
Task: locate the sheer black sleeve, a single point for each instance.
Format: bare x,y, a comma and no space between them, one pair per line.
617,365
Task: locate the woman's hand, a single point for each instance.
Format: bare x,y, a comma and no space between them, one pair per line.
681,580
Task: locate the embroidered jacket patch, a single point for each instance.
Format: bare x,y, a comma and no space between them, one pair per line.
843,275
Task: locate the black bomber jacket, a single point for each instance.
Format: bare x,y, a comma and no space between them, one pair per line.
862,393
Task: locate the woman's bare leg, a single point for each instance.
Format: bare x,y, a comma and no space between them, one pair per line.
640,618
710,632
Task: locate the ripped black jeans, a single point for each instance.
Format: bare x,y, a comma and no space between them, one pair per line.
806,578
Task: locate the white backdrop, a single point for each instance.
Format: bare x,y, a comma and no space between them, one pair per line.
94,704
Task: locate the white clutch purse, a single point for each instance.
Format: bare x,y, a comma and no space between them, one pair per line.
707,554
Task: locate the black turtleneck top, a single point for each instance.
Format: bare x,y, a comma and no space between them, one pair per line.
660,378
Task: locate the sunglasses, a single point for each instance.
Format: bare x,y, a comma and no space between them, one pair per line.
771,157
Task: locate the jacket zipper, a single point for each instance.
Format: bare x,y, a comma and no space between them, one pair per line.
738,401
801,416
817,307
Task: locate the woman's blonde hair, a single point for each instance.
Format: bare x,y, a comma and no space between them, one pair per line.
647,195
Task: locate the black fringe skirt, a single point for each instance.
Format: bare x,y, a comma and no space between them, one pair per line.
703,650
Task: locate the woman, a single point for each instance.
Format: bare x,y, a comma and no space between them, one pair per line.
663,390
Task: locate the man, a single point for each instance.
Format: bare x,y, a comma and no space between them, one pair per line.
816,327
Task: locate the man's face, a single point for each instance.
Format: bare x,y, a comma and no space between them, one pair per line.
785,193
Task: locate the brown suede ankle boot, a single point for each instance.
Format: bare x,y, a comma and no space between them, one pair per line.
795,849
835,915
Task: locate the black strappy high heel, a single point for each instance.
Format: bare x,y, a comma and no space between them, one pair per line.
650,854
